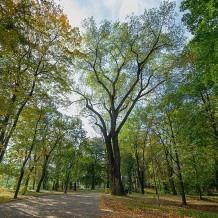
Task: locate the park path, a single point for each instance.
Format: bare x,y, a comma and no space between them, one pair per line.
54,206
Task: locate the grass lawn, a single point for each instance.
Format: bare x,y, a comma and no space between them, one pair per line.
137,205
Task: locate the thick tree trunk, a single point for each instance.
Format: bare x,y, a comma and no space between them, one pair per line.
114,166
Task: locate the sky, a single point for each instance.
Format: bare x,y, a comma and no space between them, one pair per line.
112,10
78,10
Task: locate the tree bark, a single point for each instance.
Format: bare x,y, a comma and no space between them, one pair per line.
19,182
113,153
179,171
43,173
74,186
140,172
181,183
68,176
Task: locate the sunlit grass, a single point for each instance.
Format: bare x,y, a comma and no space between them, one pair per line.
6,195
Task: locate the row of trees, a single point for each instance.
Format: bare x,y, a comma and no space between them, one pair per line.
37,45
172,137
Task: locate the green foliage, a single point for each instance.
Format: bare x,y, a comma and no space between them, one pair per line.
92,163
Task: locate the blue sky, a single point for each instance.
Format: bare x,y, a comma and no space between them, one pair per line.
77,10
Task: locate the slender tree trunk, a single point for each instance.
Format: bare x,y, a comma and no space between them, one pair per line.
140,173
34,180
155,183
170,176
198,186
43,173
216,173
56,183
74,186
45,164
170,171
45,180
6,185
93,177
71,184
212,119
28,153
26,184
68,176
19,182
66,187
179,171
181,183
172,185
4,127
142,182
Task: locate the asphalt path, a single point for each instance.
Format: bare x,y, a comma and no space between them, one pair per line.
54,206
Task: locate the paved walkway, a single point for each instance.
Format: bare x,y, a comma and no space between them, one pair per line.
54,206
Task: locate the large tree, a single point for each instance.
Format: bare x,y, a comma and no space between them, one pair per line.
34,60
201,18
123,63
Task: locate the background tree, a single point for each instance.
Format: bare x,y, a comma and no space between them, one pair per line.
92,163
202,78
36,66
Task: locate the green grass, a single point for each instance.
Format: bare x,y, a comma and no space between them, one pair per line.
198,214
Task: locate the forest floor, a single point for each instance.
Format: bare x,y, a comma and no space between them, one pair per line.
95,204
137,205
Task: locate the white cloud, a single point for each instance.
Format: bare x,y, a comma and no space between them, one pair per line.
74,11
77,10
136,7
110,3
